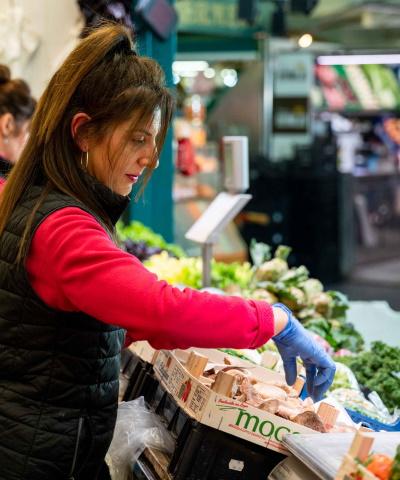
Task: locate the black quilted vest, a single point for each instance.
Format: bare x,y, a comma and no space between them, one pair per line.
58,371
5,167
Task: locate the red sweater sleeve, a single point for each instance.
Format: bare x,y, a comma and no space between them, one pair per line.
74,266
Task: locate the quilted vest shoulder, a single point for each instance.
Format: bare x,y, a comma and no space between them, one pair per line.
55,367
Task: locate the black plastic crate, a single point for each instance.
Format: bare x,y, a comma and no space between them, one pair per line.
203,453
142,381
167,408
126,356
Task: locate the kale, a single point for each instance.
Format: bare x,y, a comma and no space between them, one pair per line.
378,370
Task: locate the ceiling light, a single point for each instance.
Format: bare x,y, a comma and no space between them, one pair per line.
305,40
388,59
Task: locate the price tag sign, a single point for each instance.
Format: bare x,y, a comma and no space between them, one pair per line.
219,213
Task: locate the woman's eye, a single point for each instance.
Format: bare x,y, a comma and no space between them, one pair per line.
139,140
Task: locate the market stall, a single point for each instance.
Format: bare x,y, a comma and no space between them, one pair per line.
237,401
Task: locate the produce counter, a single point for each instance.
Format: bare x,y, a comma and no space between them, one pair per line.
196,388
324,454
212,428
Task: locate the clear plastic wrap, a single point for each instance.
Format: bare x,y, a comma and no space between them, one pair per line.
372,408
136,428
344,378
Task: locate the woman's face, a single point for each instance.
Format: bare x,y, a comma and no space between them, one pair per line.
13,137
130,154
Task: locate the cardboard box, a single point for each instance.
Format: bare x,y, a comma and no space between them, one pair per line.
220,412
144,351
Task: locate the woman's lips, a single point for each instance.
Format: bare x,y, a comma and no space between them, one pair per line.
132,178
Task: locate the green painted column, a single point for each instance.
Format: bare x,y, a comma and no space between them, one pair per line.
155,207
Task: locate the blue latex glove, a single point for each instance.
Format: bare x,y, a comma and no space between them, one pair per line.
294,341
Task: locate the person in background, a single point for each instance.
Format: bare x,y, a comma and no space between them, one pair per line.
68,294
16,110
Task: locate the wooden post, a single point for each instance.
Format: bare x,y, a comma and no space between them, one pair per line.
223,384
298,385
361,446
328,414
358,452
196,364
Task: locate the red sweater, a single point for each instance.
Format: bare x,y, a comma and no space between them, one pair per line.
74,266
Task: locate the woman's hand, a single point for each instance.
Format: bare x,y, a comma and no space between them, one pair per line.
294,341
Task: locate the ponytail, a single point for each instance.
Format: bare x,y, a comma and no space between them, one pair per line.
104,78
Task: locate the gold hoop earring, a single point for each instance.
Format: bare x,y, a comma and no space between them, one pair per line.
85,166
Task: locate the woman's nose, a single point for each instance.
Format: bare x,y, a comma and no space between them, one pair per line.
147,158
144,161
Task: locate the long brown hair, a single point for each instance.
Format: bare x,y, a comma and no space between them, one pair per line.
104,78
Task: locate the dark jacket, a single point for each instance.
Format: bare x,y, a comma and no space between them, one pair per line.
5,168
58,370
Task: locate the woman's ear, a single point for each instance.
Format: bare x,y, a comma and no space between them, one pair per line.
78,120
7,124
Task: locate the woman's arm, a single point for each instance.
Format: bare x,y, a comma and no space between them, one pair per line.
74,266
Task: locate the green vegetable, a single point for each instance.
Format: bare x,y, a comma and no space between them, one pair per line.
295,276
323,304
312,288
340,304
272,270
355,400
188,271
385,85
337,333
322,312
340,381
137,232
376,369
259,252
395,474
225,274
265,295
320,326
283,252
293,298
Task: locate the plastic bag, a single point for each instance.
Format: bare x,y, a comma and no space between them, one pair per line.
344,378
355,400
136,428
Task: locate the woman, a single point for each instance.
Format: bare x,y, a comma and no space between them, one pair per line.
16,110
67,293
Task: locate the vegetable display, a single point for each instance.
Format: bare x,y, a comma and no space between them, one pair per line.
378,370
323,312
395,474
143,242
355,87
188,272
355,400
272,279
380,466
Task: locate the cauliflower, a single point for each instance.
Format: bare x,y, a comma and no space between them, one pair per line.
312,288
272,271
323,304
293,298
261,294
